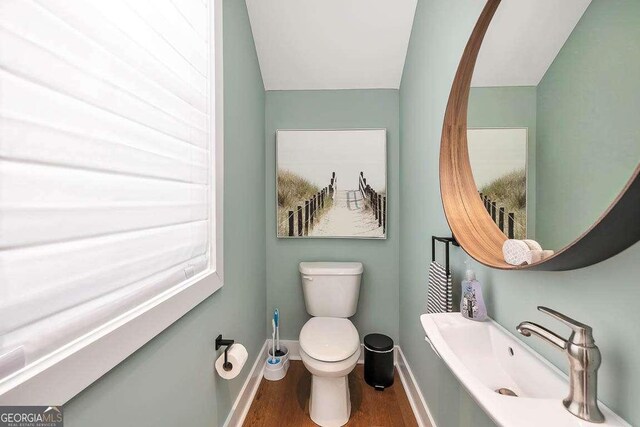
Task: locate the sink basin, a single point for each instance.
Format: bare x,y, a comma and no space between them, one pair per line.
486,358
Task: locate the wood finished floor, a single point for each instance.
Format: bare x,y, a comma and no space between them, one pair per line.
286,402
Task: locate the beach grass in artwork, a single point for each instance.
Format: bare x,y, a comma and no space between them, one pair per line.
293,190
498,158
510,192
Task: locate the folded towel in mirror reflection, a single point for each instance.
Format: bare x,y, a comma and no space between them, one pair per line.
523,252
440,293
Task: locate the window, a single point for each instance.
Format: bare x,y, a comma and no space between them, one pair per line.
110,222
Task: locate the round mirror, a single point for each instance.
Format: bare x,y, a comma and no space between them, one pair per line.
543,132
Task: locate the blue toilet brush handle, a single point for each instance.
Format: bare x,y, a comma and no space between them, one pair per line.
276,319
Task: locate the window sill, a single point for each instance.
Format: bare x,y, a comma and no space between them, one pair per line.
59,376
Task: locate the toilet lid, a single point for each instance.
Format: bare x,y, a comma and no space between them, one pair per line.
329,339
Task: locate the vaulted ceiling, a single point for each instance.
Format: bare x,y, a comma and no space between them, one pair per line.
331,44
362,44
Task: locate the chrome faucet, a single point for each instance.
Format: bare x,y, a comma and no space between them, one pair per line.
584,361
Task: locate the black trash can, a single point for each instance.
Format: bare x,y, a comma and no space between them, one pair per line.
378,361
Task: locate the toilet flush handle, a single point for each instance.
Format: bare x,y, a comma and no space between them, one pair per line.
307,277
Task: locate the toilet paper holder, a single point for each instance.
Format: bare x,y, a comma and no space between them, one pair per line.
227,366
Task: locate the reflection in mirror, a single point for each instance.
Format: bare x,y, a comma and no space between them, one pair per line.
498,158
553,131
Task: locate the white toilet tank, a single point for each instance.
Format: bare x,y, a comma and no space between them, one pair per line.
331,289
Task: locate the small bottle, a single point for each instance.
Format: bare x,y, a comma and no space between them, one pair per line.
472,304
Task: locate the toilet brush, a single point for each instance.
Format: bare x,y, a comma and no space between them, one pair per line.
276,317
276,320
278,360
273,358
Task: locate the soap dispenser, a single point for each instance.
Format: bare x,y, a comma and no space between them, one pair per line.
472,303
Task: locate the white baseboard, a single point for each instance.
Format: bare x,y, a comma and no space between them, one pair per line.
241,406
416,399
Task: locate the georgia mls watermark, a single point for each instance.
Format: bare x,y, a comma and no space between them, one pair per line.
31,416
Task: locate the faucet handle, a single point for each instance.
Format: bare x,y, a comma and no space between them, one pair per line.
581,334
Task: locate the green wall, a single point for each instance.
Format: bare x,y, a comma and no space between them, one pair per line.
604,295
504,107
171,380
440,31
588,109
378,305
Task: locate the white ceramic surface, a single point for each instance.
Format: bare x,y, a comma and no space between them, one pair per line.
330,403
329,369
485,357
329,343
329,339
331,268
331,289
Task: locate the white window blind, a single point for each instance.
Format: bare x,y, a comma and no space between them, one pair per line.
105,163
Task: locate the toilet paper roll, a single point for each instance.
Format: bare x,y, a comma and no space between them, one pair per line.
547,253
533,245
237,355
537,256
516,252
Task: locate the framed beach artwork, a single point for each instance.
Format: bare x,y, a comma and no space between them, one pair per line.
331,183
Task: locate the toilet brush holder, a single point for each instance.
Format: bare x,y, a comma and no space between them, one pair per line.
276,368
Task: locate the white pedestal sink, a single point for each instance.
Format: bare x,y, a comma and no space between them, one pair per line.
485,358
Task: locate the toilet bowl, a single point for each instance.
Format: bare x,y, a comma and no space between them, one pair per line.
329,349
329,343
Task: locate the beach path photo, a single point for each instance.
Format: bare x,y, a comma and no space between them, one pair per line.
331,183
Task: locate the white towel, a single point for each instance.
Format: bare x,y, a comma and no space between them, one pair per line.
515,252
522,252
439,294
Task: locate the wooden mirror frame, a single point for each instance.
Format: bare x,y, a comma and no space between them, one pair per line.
616,230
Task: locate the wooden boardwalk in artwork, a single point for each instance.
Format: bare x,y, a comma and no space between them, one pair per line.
349,216
332,212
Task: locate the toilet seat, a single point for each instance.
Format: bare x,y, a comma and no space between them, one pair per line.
329,339
330,369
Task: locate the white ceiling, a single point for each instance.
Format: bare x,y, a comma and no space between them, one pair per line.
523,39
331,44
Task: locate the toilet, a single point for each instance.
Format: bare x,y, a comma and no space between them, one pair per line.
329,343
